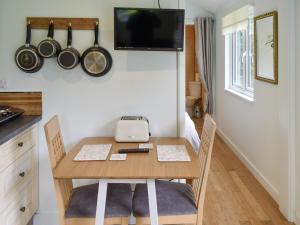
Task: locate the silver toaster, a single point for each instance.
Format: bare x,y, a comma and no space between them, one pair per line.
132,129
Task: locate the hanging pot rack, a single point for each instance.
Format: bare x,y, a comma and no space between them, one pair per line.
62,23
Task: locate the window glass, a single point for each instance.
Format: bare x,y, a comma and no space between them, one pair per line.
240,63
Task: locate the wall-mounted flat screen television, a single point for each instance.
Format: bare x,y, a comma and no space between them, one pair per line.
149,29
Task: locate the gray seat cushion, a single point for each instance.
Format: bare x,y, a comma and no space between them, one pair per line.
83,201
172,199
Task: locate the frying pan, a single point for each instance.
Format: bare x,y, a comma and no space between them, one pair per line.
96,61
27,57
49,48
69,57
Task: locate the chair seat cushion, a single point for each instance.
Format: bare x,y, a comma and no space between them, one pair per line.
172,199
83,201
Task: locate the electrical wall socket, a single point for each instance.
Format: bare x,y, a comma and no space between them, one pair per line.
3,84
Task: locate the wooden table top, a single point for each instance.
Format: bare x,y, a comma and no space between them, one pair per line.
136,166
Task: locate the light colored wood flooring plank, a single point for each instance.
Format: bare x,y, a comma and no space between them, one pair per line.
234,196
249,197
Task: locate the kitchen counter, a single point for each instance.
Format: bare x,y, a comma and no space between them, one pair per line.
14,127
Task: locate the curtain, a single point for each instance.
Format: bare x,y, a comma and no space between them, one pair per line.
205,41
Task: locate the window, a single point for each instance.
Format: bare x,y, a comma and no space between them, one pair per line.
239,53
240,63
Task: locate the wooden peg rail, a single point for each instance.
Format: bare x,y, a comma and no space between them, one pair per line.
62,23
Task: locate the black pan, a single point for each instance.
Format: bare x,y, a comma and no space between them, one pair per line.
96,61
69,57
27,57
49,48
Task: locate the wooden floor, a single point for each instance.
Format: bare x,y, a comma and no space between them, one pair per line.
234,196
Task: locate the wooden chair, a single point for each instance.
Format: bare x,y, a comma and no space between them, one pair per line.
179,203
77,206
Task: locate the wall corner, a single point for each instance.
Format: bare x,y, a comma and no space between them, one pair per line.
297,220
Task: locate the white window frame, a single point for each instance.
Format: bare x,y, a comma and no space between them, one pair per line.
244,89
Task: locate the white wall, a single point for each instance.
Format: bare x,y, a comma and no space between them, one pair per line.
297,9
194,10
258,131
139,83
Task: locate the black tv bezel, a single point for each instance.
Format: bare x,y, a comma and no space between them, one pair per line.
145,48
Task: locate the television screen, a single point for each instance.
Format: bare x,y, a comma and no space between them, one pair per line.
149,29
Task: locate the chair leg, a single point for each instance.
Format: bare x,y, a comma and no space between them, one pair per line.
124,221
62,221
199,221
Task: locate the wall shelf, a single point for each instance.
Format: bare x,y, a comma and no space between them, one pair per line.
62,23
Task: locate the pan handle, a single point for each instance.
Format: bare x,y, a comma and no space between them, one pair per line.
69,43
28,34
51,30
96,43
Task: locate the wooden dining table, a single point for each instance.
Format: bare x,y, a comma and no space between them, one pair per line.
137,168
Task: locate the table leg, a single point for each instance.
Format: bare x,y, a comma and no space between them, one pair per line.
152,201
101,202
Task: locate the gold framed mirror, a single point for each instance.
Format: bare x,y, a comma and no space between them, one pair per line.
266,47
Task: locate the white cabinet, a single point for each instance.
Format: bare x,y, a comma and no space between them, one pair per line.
18,178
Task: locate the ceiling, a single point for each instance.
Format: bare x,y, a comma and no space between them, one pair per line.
213,5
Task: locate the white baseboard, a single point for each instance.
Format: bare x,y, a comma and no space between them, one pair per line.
253,169
297,220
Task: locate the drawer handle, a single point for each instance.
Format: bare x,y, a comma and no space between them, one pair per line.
22,174
22,209
20,144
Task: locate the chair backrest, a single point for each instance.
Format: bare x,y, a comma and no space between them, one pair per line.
55,142
56,149
207,141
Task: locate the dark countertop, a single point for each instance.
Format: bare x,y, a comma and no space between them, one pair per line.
14,127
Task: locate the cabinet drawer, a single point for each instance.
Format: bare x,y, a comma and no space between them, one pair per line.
18,172
21,208
17,146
